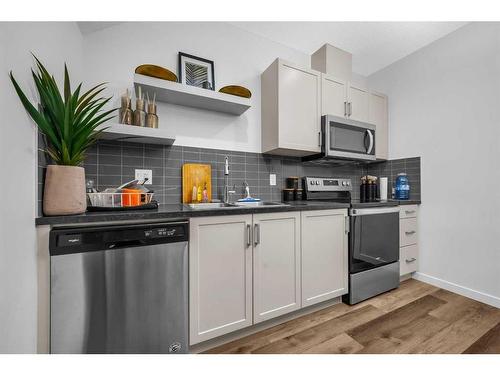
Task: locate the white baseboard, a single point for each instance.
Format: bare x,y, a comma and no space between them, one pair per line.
455,288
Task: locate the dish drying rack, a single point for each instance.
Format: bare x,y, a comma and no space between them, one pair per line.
120,200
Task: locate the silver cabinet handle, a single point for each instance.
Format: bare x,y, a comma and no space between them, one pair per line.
319,139
345,109
256,234
347,224
350,109
249,239
409,212
410,260
370,147
410,232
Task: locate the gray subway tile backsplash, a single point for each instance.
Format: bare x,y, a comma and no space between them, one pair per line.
111,163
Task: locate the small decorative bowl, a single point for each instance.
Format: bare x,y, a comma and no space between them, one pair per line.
237,91
156,72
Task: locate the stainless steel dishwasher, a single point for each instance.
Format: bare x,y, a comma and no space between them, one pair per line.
119,289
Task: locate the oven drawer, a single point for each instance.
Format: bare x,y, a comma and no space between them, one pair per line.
408,233
408,259
408,211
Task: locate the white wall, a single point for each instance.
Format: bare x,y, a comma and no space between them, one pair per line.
53,43
445,107
240,57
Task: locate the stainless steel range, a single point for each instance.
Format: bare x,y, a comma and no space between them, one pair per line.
373,238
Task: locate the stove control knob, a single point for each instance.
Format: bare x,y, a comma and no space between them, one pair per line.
348,183
312,182
343,183
317,182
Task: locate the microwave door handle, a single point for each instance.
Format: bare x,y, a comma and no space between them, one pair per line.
370,147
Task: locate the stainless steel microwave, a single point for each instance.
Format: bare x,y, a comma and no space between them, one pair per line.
347,139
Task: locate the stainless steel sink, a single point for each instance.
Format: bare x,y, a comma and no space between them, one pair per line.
210,206
220,205
261,204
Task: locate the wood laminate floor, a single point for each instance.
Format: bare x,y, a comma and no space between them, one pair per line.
415,318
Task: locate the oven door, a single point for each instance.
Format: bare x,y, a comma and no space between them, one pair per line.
348,139
373,238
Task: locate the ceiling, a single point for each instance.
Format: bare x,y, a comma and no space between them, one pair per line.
374,45
87,27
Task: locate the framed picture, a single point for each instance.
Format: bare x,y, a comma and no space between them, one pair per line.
196,71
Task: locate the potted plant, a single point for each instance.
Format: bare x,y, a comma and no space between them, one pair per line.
69,121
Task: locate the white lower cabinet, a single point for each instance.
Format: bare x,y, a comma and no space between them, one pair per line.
408,259
245,269
220,276
276,264
324,255
408,239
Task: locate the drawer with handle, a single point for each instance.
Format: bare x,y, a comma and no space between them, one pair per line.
408,211
408,232
408,259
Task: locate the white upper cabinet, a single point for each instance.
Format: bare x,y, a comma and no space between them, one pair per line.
294,98
378,117
344,99
291,106
333,96
324,255
276,264
220,276
359,103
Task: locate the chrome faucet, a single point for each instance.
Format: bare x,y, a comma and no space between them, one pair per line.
227,192
247,190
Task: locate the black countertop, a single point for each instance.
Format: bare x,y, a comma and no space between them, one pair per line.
388,203
179,211
408,202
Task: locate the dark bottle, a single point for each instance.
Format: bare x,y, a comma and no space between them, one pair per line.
363,191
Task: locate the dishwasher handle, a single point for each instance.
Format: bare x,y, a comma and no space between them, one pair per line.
123,244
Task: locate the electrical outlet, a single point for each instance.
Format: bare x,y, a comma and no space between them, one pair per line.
272,179
142,174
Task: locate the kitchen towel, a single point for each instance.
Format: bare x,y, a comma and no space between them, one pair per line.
383,188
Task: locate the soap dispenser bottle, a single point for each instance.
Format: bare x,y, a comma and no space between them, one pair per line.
205,194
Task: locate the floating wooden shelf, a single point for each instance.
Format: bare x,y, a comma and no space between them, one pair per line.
137,134
190,96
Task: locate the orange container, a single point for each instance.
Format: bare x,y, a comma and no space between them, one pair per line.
131,197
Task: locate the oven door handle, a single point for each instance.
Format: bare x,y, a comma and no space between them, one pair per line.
373,211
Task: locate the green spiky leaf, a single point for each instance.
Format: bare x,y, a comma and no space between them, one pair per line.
68,120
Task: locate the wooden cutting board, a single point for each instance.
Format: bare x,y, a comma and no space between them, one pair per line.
195,175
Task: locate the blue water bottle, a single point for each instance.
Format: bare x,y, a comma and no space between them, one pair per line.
402,187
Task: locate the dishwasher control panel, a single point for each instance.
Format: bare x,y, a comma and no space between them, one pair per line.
164,232
76,240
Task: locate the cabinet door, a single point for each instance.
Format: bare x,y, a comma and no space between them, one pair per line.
408,232
276,266
378,117
220,276
333,96
408,259
299,108
324,255
359,100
